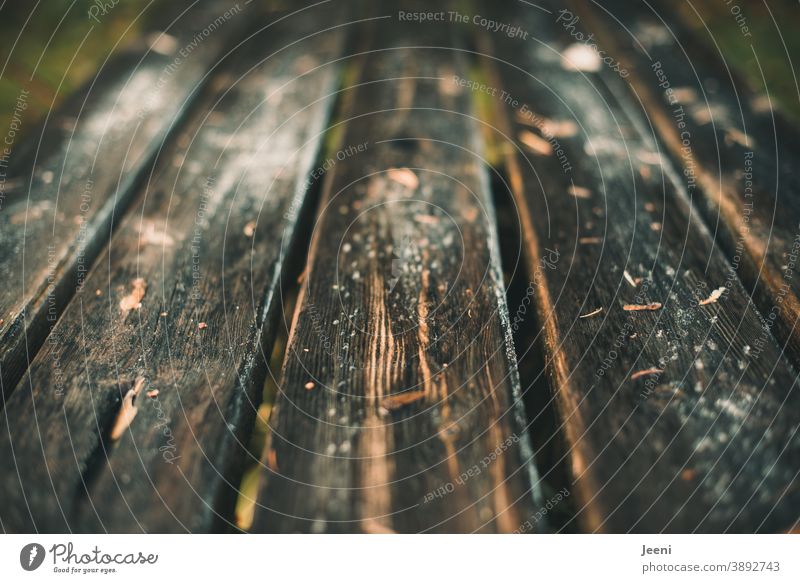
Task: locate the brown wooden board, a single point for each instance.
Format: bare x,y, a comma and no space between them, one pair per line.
74,178
678,407
738,156
146,400
398,407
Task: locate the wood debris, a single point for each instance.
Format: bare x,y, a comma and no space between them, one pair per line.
640,307
559,129
593,313
652,158
645,372
404,176
402,399
427,219
633,281
272,460
470,214
685,94
535,144
579,192
133,301
715,295
128,410
149,235
580,57
734,136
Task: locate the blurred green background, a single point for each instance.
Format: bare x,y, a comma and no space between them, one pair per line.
771,23
54,46
50,48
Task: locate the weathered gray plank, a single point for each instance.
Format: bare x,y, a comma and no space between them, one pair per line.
79,173
682,417
738,155
183,316
400,381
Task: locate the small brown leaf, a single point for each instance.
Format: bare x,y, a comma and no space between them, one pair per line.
404,176
535,144
127,410
579,192
593,313
133,301
639,308
641,373
402,399
630,279
715,295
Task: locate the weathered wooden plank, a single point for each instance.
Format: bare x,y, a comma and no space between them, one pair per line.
679,410
398,407
144,423
738,155
76,177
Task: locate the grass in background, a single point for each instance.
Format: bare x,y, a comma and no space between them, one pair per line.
49,49
776,60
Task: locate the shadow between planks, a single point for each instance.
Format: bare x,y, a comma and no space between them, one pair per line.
674,421
162,351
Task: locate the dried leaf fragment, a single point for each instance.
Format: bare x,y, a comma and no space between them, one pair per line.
427,219
648,371
133,301
593,313
640,307
631,280
404,176
401,400
535,144
559,129
734,136
579,192
580,57
715,295
128,410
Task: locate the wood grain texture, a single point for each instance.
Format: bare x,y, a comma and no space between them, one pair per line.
739,156
399,407
680,411
143,424
76,177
